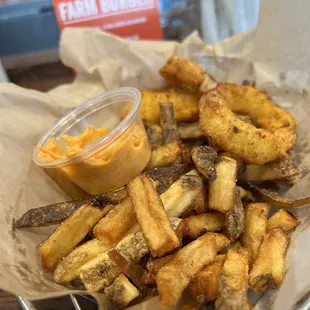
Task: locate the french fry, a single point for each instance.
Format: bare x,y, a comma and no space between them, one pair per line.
276,200
234,220
268,269
283,219
256,215
185,105
69,267
166,176
204,286
168,123
189,131
154,134
198,224
204,158
222,190
69,234
198,205
243,192
121,292
280,169
233,281
184,73
152,267
176,274
116,224
152,217
165,155
101,271
182,193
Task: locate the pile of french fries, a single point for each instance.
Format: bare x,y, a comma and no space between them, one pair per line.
193,222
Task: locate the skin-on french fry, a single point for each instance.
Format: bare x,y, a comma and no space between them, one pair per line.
57,212
280,169
204,286
189,131
276,200
165,155
152,267
222,190
152,217
240,162
69,267
101,271
198,224
234,220
176,274
168,123
233,281
121,292
256,215
204,158
269,266
185,105
114,226
283,219
154,134
69,234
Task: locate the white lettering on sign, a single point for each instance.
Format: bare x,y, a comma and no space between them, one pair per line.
121,6
73,10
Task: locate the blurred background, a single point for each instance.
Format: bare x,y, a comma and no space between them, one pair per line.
30,31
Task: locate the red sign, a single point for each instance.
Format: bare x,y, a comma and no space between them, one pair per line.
131,19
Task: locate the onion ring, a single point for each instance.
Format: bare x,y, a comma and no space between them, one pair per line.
224,129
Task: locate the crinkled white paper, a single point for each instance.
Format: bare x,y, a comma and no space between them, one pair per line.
275,56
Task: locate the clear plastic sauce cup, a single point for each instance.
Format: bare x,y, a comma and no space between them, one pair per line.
112,161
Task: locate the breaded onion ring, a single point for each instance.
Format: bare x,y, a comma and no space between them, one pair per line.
224,129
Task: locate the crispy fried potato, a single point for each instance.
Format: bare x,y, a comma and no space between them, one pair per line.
116,224
222,190
283,219
243,192
168,123
233,281
240,162
70,188
165,155
256,215
276,200
151,216
184,73
131,269
198,224
176,274
234,220
166,176
154,134
101,271
121,292
189,131
152,266
204,286
185,105
182,193
204,158
69,267
199,204
69,234
280,169
269,266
